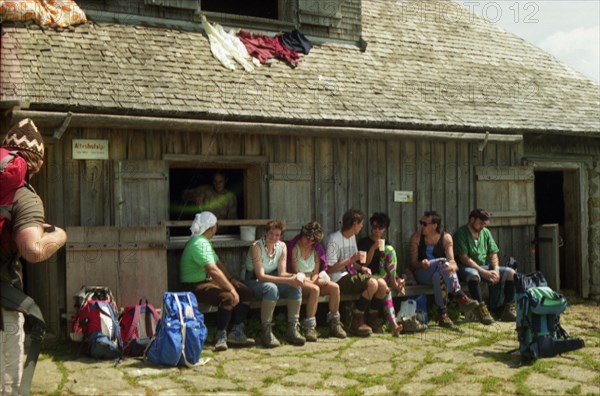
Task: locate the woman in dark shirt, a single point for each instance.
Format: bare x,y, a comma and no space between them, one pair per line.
382,261
432,262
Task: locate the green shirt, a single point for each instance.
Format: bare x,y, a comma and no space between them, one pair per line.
465,244
197,254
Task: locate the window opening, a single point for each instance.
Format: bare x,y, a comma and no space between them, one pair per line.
192,191
254,8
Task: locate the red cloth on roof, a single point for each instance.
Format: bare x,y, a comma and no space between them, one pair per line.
264,48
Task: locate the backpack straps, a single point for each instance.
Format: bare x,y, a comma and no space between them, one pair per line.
14,299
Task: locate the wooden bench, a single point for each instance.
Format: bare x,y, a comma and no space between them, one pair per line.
412,290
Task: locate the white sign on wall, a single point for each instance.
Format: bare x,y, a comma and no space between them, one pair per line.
403,196
90,149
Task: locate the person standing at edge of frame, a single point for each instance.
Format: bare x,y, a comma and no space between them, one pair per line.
27,236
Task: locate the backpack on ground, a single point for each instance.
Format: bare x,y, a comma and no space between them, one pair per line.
180,333
94,324
138,325
538,319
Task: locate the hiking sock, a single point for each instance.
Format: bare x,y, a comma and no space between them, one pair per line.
362,305
509,292
475,290
293,309
309,323
331,315
266,310
223,318
240,313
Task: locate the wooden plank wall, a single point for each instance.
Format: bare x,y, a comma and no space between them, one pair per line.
359,173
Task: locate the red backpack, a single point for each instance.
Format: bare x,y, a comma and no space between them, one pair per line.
138,325
13,171
95,325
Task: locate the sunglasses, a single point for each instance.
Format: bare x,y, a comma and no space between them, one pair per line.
424,224
377,227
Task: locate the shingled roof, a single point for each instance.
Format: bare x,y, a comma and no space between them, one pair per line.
419,71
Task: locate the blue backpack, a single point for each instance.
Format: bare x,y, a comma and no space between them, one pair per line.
180,332
538,319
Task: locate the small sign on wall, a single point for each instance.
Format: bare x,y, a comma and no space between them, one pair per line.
403,196
90,149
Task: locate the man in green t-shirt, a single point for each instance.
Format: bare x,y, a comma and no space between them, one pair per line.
477,256
202,273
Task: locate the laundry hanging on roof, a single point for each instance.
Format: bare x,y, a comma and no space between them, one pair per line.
227,47
265,48
48,13
296,41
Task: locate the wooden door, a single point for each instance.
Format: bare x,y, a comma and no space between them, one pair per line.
548,241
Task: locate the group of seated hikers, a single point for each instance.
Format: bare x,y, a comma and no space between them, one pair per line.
305,268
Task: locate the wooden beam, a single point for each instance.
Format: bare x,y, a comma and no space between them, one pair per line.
87,120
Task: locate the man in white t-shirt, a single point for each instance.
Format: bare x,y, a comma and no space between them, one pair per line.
345,269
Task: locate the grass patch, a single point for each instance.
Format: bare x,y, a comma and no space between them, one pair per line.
353,390
64,373
269,380
588,361
428,392
519,381
220,373
576,390
444,378
489,384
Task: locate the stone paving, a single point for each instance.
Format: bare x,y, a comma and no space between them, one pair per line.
471,359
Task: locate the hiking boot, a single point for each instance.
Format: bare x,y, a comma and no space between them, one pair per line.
267,338
310,333
358,326
221,340
293,336
484,315
373,322
336,329
237,337
509,313
444,320
465,304
412,325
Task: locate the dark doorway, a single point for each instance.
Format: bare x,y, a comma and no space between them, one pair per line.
550,209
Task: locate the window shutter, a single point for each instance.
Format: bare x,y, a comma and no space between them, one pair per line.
508,193
290,195
141,193
321,13
185,4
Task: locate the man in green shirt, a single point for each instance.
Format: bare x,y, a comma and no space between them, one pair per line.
477,256
202,273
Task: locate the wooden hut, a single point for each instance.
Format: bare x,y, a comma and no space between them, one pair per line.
401,107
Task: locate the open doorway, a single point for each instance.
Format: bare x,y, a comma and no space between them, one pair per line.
557,202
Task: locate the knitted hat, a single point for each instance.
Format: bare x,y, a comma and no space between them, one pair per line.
25,136
202,222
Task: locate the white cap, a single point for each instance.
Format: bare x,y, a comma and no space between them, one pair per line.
203,222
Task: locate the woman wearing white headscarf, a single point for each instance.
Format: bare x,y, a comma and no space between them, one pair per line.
202,273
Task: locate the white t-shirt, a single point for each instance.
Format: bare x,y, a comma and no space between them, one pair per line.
339,248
